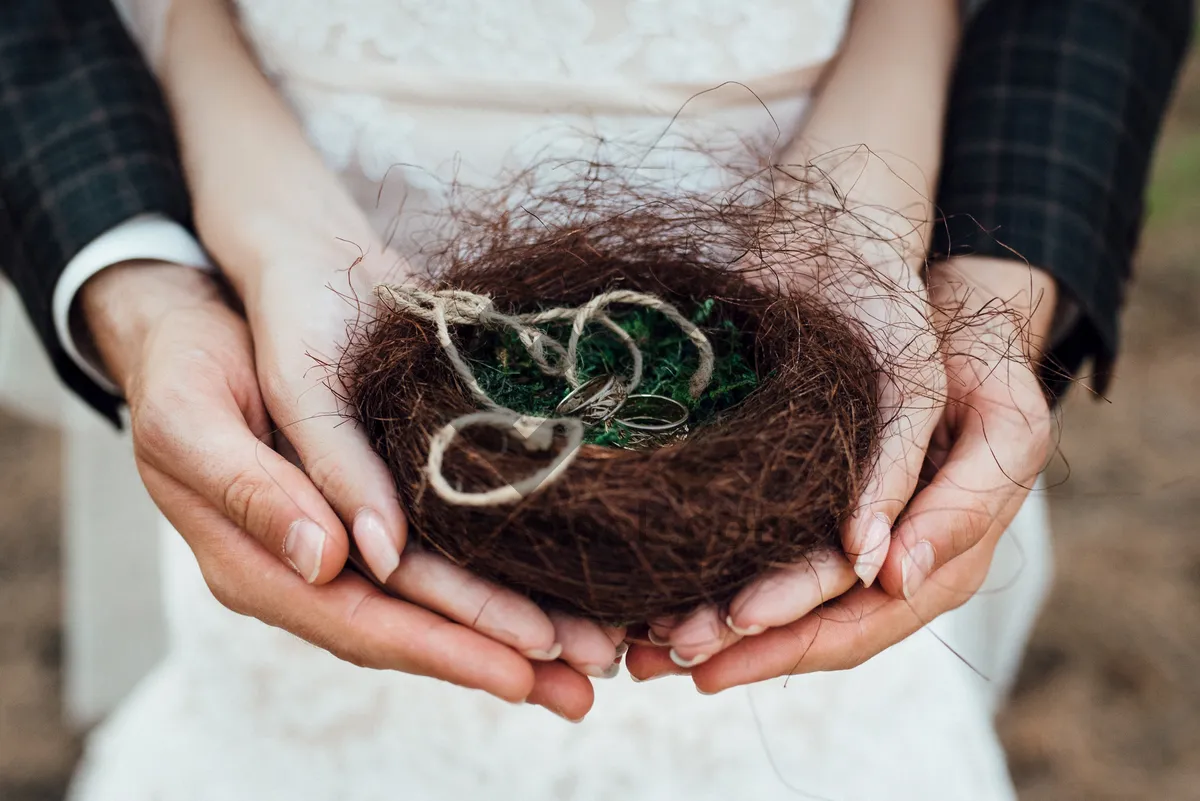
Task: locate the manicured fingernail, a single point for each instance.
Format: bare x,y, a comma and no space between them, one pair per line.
915,567
609,672
869,559
639,680
303,546
702,692
749,631
655,639
698,659
377,547
545,656
622,649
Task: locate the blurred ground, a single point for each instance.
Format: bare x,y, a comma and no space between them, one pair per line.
1108,705
36,751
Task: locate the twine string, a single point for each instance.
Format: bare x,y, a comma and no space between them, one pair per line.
448,307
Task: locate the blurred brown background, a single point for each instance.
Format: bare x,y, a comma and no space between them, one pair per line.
1108,705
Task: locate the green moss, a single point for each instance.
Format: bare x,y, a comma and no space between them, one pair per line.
505,371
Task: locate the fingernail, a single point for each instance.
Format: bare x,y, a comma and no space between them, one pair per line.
749,631
377,547
597,672
698,659
915,567
703,692
563,715
622,649
655,639
303,546
545,656
869,561
638,680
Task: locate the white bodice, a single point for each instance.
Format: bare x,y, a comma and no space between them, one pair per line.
422,92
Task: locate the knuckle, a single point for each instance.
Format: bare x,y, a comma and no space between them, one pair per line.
331,643
328,473
275,388
968,527
246,500
150,429
223,587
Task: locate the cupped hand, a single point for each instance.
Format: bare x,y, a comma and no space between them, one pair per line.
203,437
877,287
989,444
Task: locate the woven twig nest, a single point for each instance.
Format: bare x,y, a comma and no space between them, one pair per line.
623,536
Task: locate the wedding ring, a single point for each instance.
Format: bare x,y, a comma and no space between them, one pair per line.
595,400
652,414
648,440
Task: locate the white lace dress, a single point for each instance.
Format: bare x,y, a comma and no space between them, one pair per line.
242,712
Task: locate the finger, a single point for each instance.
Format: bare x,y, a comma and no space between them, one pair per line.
646,662
336,455
904,440
785,650
856,627
995,458
348,617
787,594
700,635
562,690
431,581
658,631
616,635
586,646
192,420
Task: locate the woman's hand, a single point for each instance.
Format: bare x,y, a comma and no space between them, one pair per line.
285,232
870,153
989,444
299,305
888,300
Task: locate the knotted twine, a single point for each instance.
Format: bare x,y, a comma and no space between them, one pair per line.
459,307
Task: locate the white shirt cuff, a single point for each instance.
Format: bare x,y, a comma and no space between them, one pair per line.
144,237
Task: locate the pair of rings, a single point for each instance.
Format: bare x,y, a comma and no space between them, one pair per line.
647,417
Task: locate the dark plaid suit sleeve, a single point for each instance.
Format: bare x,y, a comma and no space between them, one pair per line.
85,144
1054,113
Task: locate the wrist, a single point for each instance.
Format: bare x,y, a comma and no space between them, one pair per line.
308,247
122,305
1023,297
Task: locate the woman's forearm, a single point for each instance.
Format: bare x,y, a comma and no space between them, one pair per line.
254,177
876,127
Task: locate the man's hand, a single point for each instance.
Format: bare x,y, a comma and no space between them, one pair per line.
986,451
203,444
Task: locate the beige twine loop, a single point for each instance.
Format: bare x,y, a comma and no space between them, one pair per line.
448,307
